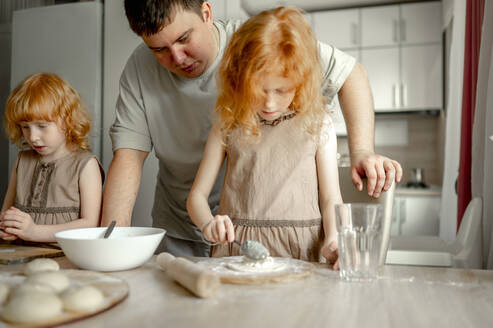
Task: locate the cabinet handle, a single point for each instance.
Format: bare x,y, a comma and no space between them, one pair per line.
395,96
403,31
395,30
403,95
354,33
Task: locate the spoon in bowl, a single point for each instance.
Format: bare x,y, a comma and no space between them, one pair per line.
109,229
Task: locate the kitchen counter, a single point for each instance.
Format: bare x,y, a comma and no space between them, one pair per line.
402,297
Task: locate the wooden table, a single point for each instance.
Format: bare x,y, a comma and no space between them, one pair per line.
402,297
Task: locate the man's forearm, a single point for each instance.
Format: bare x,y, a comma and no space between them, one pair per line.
122,186
357,107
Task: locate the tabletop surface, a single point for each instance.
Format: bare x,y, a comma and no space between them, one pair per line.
401,297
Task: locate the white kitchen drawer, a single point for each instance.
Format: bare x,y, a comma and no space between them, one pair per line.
416,215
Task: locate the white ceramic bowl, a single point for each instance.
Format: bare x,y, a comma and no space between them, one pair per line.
125,248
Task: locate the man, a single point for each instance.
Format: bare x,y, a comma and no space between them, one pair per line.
167,97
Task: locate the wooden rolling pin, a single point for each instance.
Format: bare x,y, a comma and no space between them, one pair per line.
197,279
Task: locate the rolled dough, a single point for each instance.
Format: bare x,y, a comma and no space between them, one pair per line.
293,269
247,265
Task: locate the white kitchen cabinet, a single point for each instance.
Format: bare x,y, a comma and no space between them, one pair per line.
339,28
402,52
225,9
234,10
400,47
405,24
218,9
380,26
420,23
416,215
382,66
405,78
421,76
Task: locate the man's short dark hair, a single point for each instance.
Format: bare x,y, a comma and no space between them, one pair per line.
147,17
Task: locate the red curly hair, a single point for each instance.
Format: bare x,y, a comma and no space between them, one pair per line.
277,41
48,97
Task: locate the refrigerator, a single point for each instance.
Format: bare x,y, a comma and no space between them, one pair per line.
67,40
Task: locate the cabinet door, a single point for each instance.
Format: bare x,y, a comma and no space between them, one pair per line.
382,66
420,216
339,28
421,77
218,9
421,23
234,10
380,26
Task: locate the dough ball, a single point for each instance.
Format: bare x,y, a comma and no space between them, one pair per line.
28,287
55,279
82,298
4,292
41,265
32,307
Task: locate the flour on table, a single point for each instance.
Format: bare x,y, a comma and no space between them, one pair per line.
248,265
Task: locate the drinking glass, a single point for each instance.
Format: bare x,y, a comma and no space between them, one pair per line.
359,237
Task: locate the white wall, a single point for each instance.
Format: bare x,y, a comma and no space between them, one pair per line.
454,11
482,143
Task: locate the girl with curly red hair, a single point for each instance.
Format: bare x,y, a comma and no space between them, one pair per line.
56,183
281,181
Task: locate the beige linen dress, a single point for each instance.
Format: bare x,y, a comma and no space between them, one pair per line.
49,192
270,191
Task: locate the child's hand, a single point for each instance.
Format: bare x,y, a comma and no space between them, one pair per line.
330,251
7,236
18,223
3,234
219,230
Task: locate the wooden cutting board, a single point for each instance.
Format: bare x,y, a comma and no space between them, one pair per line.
292,270
115,290
13,254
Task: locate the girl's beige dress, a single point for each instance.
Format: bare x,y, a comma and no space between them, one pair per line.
49,192
271,191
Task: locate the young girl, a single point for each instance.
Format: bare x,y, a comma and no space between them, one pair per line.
56,184
281,180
